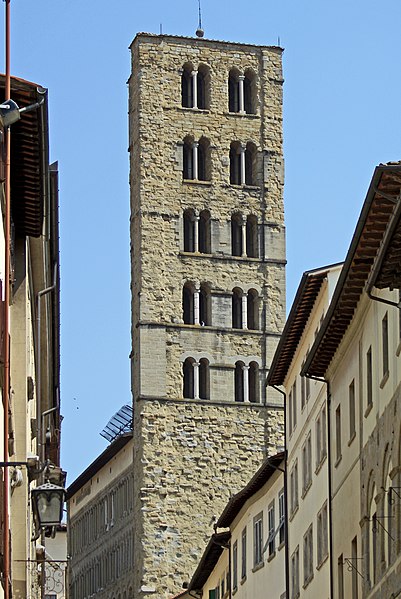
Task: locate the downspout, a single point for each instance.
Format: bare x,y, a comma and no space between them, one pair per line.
7,252
329,490
286,549
39,414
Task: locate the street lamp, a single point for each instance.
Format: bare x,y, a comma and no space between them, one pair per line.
47,503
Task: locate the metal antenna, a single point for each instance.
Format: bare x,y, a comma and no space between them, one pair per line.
199,31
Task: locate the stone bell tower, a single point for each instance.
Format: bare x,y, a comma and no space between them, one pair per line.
208,287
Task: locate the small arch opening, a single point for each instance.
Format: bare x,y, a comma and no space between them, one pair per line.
239,381
203,84
254,382
236,234
253,309
250,166
187,154
204,232
204,379
250,92
204,166
233,90
252,236
188,376
188,313
189,230
205,308
237,308
187,99
235,163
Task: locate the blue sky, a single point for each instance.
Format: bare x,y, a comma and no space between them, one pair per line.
341,118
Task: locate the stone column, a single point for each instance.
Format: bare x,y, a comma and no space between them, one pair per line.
194,76
242,165
244,304
196,233
196,380
241,93
196,305
243,232
195,147
245,372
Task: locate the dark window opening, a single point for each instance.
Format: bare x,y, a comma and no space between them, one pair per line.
237,309
233,92
188,372
186,88
188,305
235,164
204,232
188,171
252,237
254,382
252,310
204,386
189,227
239,382
236,235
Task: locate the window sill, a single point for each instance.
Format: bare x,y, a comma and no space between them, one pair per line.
193,109
307,581
271,556
245,187
292,514
282,544
322,561
384,379
398,350
243,579
306,489
258,567
197,182
351,438
368,410
320,464
235,589
338,460
242,115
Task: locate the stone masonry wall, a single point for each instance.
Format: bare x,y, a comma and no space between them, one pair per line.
192,458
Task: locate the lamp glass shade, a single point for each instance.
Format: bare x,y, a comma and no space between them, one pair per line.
9,113
48,501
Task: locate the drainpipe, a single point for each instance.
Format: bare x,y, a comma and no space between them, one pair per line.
329,462
39,414
286,552
6,390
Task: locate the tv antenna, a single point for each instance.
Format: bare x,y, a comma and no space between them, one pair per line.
199,32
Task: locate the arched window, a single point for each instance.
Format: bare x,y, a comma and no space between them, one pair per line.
204,170
235,163
188,163
252,310
236,234
252,236
189,230
239,381
388,513
373,530
249,92
233,91
254,382
205,311
204,385
187,86
204,232
250,158
188,374
188,308
237,308
203,86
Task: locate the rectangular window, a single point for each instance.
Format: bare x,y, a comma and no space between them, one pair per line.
271,519
321,436
281,515
308,555
340,577
243,554
351,403
294,405
369,378
307,464
222,587
354,573
290,413
294,487
385,344
258,539
235,565
295,574
322,538
303,389
338,433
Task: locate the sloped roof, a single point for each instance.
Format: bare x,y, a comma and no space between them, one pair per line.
29,157
379,210
305,298
218,542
